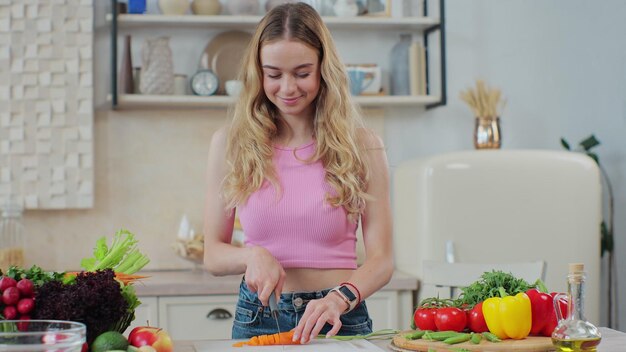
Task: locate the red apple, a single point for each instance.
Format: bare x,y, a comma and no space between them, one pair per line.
158,338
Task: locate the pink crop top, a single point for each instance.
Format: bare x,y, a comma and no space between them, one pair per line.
299,227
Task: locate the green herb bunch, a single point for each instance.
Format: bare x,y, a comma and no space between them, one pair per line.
490,285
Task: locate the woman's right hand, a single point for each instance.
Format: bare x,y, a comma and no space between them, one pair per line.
264,274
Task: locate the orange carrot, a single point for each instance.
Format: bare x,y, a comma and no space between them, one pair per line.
128,278
282,338
124,278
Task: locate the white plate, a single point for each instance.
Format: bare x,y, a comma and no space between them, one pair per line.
224,55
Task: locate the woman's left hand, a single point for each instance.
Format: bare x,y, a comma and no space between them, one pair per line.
317,313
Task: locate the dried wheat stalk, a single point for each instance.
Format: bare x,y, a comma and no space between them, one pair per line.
484,101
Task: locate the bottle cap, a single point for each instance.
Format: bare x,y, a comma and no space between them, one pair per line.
576,272
575,268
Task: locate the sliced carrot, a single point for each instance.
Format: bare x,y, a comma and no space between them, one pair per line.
283,338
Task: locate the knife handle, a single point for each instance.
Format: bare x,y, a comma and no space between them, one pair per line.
273,303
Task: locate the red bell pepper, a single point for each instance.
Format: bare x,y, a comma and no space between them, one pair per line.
542,307
551,324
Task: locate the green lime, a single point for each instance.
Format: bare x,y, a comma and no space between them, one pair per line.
109,341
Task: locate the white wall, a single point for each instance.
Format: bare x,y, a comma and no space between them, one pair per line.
561,65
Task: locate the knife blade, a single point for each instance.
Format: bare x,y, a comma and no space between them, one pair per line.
274,309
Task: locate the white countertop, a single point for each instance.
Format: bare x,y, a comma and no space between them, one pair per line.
197,282
612,341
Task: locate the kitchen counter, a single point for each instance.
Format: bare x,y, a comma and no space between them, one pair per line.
198,282
612,341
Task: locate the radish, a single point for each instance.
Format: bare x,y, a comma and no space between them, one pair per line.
6,282
25,305
10,296
26,287
23,324
9,312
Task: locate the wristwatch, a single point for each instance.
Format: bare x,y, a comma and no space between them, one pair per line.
347,296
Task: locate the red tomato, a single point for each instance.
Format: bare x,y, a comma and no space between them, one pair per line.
476,319
450,318
424,318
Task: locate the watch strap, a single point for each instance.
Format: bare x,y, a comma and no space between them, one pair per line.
346,294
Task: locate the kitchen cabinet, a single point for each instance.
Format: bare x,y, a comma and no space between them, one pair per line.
146,314
211,316
344,29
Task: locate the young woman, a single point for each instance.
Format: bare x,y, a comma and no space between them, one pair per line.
300,171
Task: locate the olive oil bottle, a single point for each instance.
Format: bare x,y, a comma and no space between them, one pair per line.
574,333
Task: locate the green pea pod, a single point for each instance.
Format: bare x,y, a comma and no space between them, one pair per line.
439,335
416,335
462,337
475,339
491,337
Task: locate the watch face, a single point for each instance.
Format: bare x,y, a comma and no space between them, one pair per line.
346,291
204,82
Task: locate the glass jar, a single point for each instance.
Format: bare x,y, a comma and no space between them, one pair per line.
574,333
11,236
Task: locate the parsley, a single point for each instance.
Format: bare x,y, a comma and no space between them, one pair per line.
490,284
35,274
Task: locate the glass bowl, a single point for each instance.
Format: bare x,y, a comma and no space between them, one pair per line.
41,336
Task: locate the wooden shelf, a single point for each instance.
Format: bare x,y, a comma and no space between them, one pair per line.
359,22
222,101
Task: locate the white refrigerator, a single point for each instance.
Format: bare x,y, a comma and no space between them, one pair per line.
501,206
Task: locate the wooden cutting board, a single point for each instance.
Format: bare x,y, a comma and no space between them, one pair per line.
529,344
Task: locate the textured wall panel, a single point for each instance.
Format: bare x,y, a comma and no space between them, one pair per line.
46,103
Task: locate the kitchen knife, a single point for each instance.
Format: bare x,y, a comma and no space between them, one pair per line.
274,309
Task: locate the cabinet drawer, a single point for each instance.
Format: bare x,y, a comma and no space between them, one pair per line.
383,309
198,317
145,314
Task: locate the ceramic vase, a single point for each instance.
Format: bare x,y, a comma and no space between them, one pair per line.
487,133
173,7
346,8
125,82
206,7
243,7
157,69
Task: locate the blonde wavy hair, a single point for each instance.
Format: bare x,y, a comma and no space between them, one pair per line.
336,121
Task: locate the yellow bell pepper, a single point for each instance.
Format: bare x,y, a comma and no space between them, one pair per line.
508,317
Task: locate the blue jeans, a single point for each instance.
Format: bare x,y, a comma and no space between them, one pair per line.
252,319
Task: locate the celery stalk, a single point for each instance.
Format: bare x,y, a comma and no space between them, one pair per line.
121,256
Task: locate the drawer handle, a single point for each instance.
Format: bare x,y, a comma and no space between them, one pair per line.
219,314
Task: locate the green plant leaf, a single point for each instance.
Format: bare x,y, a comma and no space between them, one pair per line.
589,142
594,156
606,239
565,144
